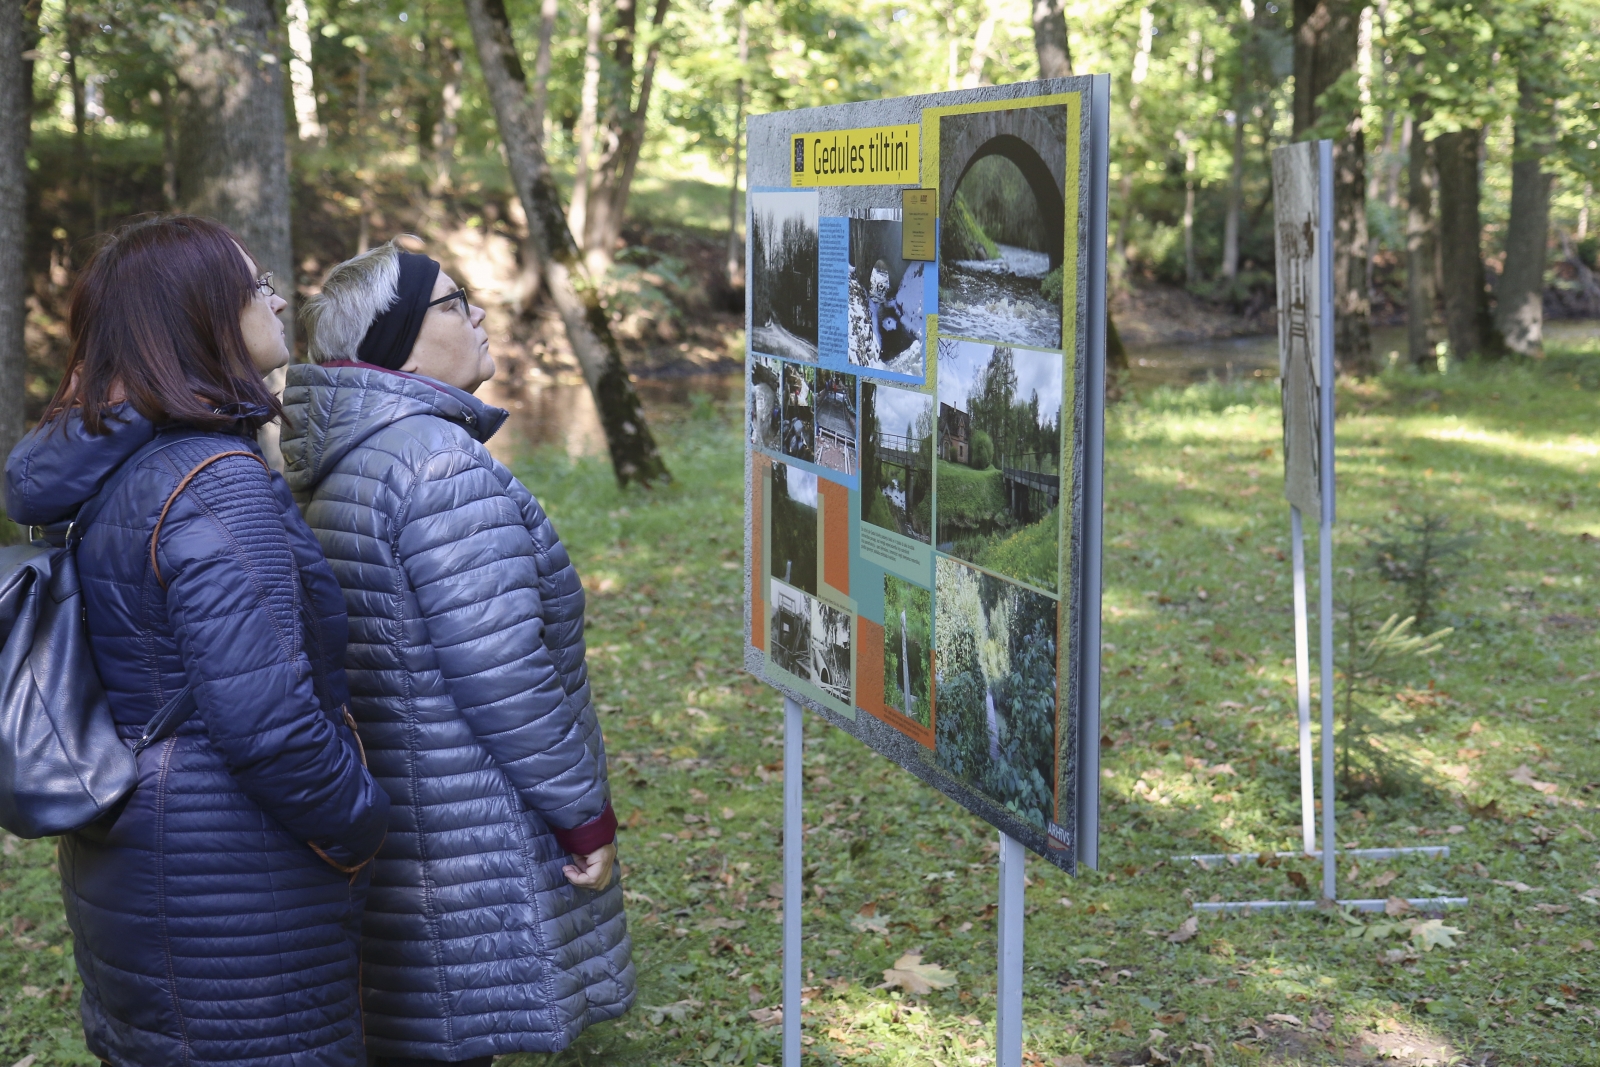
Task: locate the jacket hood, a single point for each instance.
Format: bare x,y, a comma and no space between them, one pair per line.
59,465
330,409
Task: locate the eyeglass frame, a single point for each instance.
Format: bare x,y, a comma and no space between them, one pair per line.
263,286
459,294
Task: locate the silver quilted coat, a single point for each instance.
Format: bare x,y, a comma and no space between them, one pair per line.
469,687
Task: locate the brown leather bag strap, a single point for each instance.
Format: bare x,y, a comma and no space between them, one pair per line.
155,538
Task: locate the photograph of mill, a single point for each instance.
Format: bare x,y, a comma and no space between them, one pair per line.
783,274
1002,232
886,320
995,690
907,642
793,508
790,629
897,466
830,651
799,411
836,421
766,405
998,469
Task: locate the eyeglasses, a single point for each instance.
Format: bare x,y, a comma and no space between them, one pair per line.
264,285
459,294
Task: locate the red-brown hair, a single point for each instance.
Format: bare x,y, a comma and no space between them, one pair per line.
155,313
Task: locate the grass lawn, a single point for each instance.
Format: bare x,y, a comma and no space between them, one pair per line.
1499,730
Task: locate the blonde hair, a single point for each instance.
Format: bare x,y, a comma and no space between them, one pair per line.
355,293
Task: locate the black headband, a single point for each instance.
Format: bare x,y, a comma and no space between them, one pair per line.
390,337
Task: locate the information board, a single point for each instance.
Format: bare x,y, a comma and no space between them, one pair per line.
919,556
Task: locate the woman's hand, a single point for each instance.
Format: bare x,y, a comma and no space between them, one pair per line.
594,870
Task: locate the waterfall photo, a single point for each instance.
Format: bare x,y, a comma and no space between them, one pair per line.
995,688
999,459
783,274
886,319
897,467
907,642
1002,182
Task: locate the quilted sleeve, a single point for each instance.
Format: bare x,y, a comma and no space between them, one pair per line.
476,574
233,597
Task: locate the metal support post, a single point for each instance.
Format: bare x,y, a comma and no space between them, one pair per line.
794,728
1325,546
1302,683
1008,990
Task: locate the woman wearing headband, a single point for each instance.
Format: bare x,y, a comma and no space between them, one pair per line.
494,923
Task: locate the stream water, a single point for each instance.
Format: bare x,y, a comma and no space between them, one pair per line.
563,416
999,298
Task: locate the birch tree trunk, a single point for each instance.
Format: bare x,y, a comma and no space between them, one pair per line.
233,159
1327,36
634,456
1519,310
1230,225
1422,249
1467,321
19,35
588,118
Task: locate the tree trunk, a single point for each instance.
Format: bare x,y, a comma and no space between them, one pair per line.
735,275
1468,324
19,36
634,456
233,161
588,117
1422,296
625,128
1519,311
300,78
541,65
1050,39
1230,226
1191,270
1327,37
445,129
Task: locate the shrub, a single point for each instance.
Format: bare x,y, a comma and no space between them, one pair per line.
981,455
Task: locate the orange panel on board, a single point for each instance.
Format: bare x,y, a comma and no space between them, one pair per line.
835,534
758,609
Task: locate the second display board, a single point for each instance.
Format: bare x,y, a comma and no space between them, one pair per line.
915,435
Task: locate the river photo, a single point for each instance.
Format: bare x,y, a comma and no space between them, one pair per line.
897,467
1002,232
783,274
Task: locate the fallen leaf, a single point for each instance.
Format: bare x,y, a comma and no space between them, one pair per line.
1123,1027
1288,1020
1584,946
1157,1036
1322,1021
32,991
1207,1053
1432,932
1395,907
1091,961
1456,829
869,924
1523,775
1553,909
1298,880
1382,880
1065,902
26,1061
1185,931
914,976
1071,1059
719,923
1521,887
767,1016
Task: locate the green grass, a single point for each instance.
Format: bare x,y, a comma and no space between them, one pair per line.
966,496
1031,553
1198,684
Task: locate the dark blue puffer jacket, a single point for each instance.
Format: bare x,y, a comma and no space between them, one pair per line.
469,688
216,918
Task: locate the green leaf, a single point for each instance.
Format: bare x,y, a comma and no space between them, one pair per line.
1431,932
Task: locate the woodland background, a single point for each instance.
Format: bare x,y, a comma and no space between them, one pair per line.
1466,133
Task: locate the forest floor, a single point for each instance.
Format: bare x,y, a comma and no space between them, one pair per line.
1498,731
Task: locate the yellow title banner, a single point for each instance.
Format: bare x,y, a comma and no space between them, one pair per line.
874,155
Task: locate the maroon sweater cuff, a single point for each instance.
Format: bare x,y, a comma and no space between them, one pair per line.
596,833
